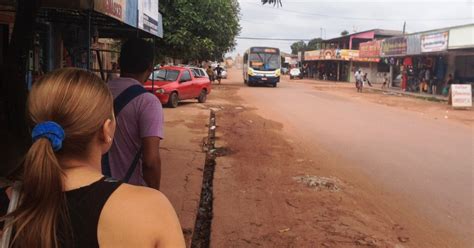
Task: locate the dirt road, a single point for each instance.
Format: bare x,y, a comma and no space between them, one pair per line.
343,169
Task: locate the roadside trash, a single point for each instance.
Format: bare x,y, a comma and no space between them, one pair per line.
318,183
284,230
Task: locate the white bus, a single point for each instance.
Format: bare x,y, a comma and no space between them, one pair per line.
262,65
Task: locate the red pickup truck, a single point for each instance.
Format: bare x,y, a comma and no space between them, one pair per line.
174,83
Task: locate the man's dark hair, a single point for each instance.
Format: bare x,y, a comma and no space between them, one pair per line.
136,56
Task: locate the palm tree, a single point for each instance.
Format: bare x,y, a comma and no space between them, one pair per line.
274,2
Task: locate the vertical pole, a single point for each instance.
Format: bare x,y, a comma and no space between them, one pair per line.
338,69
390,77
153,73
101,66
89,16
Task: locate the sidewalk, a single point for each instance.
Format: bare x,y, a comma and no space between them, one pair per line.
390,91
183,161
395,91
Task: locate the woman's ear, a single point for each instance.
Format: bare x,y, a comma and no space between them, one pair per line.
107,134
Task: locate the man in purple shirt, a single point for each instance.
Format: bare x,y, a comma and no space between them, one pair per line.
140,122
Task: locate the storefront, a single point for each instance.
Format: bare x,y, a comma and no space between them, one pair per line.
336,64
392,52
84,34
461,54
378,69
327,64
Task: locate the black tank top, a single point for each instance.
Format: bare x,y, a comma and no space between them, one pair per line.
85,205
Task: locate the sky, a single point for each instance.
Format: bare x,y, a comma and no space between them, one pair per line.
307,19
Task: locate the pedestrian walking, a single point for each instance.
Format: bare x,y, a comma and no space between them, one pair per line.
447,85
135,155
65,200
219,70
385,81
365,79
210,73
358,78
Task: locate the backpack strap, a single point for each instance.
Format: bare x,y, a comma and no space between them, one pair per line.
127,96
119,103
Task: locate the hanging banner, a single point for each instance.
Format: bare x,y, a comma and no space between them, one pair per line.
414,44
396,46
461,95
312,55
435,42
370,49
149,17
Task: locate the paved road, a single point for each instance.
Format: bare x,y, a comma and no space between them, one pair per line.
427,162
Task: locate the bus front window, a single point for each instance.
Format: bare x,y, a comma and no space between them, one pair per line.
264,61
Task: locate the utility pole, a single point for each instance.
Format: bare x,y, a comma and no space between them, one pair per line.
404,26
321,35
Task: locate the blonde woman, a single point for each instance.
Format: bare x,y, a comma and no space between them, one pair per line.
65,200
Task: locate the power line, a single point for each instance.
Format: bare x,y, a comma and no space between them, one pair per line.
360,18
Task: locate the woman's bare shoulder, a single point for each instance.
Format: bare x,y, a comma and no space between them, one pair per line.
137,202
144,214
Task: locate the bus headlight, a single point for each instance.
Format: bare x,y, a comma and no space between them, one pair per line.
250,72
278,72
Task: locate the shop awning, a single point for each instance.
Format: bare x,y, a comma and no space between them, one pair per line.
113,18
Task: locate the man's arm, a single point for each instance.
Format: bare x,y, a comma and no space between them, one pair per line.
152,162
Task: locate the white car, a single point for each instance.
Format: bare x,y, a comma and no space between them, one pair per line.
296,73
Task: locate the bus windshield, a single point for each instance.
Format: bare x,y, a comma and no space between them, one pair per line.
264,61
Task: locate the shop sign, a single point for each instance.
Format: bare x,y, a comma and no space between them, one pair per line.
312,55
149,17
396,46
370,49
346,54
112,8
414,44
435,42
461,37
461,95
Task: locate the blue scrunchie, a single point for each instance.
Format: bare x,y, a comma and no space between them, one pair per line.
50,130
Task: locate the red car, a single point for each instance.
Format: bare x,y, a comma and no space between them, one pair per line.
174,83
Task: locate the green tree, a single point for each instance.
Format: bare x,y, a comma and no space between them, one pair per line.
274,2
314,44
345,32
299,46
198,30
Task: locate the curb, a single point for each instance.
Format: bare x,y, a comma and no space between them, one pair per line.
413,95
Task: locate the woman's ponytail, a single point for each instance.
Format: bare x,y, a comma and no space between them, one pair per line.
43,205
79,103
42,199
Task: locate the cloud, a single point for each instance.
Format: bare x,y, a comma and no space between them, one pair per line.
306,19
